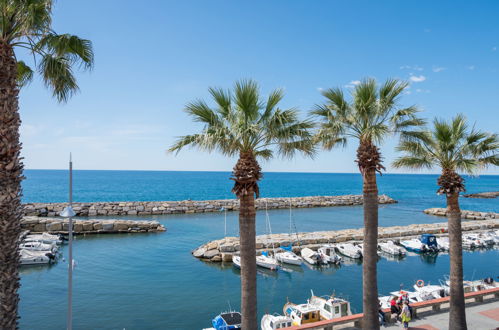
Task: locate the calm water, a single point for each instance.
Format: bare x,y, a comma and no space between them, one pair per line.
151,281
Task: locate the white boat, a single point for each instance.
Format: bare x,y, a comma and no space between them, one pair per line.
44,238
275,321
331,307
236,260
349,250
312,257
492,236
302,314
287,256
443,243
391,248
414,245
328,254
468,243
267,261
429,292
482,239
36,257
37,246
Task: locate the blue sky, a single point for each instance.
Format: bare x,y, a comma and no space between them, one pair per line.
152,57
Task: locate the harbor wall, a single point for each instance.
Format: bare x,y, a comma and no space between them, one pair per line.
90,226
223,249
190,206
465,214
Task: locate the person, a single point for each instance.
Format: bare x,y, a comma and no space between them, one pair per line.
394,308
381,316
406,315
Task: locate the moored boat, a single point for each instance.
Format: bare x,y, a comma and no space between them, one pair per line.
301,314
414,245
44,238
331,307
226,321
36,257
275,321
266,261
328,254
287,256
236,261
312,257
37,246
430,241
349,250
391,248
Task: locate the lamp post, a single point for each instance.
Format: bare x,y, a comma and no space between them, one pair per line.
69,213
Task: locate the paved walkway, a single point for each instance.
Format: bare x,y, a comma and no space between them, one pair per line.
483,316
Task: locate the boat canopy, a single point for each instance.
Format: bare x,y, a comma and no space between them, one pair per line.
287,248
265,254
429,239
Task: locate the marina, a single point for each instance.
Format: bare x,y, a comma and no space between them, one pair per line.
147,281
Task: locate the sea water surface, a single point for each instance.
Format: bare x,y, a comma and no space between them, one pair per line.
151,281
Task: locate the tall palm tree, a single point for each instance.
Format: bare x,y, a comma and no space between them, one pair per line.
242,124
454,148
371,115
26,24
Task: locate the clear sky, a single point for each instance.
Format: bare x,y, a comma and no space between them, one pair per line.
152,57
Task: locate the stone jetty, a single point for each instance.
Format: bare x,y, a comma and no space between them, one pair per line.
489,194
190,206
471,215
223,249
91,226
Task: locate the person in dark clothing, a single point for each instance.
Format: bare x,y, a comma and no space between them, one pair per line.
394,308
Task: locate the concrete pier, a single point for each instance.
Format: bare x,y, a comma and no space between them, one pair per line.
223,249
465,214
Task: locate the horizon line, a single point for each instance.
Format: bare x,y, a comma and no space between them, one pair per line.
220,171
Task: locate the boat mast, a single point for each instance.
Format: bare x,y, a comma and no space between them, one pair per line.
70,249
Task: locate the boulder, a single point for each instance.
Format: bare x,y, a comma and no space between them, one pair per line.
211,253
198,253
54,226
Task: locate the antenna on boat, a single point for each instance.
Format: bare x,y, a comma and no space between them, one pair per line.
230,307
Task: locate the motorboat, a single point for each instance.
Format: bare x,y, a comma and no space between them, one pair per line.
482,240
266,261
275,321
414,245
302,314
236,261
29,257
468,243
227,321
430,241
443,243
492,235
349,250
37,246
287,256
328,254
44,238
391,248
331,307
312,257
429,292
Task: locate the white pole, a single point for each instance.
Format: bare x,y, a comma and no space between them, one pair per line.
225,222
70,250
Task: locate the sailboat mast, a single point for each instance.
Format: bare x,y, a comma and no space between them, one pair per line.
70,249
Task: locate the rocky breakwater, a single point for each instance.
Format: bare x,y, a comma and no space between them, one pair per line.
471,215
488,194
189,206
90,226
223,249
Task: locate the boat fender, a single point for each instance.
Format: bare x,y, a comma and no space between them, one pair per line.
420,283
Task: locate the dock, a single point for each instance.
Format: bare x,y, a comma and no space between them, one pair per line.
223,249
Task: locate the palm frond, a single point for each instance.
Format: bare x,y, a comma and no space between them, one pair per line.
412,162
58,76
24,74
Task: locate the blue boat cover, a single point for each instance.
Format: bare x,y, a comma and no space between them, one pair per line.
287,248
264,253
429,240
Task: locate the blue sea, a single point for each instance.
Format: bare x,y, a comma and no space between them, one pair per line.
151,281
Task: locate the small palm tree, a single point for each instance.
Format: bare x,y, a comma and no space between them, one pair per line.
26,24
244,125
370,117
454,148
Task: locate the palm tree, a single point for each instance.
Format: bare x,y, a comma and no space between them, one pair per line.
454,148
370,116
243,124
26,24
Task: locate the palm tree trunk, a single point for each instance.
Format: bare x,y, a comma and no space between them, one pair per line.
457,314
10,185
369,273
247,237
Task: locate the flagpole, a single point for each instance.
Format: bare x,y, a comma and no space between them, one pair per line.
70,249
